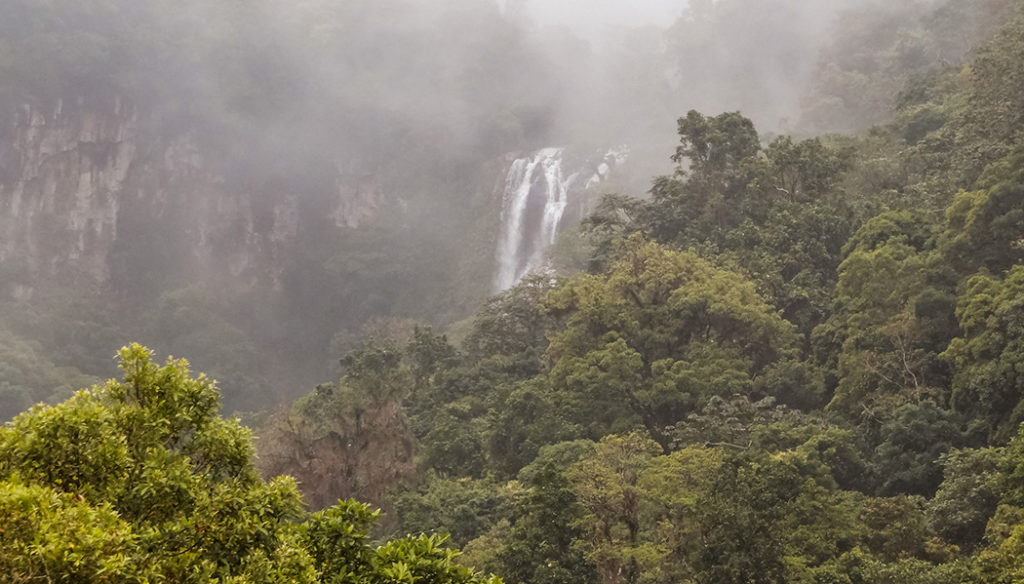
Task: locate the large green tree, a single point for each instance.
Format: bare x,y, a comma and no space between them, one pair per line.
151,458
141,480
657,336
989,356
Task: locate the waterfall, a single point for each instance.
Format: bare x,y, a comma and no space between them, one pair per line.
538,192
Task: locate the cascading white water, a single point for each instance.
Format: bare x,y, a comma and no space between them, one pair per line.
537,193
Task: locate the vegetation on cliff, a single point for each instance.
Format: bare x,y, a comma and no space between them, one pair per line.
796,361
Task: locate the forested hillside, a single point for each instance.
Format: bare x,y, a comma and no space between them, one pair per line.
797,358
251,184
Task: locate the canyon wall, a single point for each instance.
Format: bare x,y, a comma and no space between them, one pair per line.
85,185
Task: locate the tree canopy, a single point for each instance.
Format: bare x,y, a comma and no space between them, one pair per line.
141,480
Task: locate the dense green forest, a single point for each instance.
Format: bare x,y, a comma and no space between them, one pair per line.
799,358
278,97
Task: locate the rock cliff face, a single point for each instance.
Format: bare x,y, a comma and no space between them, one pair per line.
60,189
85,185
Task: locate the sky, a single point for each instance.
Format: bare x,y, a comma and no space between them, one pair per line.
589,18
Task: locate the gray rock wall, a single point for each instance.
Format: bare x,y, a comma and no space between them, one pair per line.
78,180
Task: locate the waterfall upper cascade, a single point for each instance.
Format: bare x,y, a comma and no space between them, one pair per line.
543,193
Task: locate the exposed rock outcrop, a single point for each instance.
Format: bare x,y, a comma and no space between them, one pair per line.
82,184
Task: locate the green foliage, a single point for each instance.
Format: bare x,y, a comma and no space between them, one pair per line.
774,212
888,354
741,517
542,545
688,326
658,336
421,559
660,419
512,324
29,376
968,496
708,197
188,322
984,227
152,451
143,481
61,537
716,148
464,508
988,357
905,292
530,416
989,124
911,441
338,541
606,484
1012,472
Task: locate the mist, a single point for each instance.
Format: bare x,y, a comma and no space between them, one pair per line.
293,172
524,291
596,21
